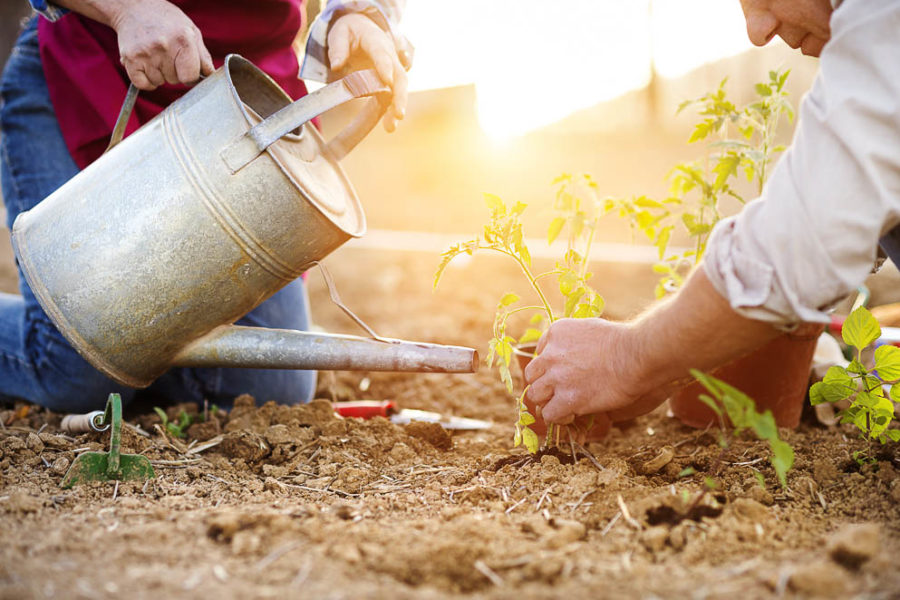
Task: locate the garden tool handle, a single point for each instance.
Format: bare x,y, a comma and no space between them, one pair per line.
122,120
359,84
91,421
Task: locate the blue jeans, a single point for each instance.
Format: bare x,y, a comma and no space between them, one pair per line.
36,362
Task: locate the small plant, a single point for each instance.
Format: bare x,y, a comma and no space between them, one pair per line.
177,428
576,218
741,410
871,408
740,140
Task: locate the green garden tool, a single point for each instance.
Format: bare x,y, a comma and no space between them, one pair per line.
103,466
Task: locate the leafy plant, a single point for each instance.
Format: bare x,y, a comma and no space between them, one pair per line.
871,408
741,410
576,219
740,140
177,428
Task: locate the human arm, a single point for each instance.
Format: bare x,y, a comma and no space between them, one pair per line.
623,370
353,34
158,43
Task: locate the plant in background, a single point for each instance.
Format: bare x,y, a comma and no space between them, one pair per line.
576,218
179,426
741,411
871,408
741,140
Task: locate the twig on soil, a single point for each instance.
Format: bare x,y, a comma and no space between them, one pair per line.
42,428
115,490
747,463
590,457
303,573
627,515
582,499
485,570
822,500
210,443
176,464
321,491
544,496
214,478
609,525
46,462
517,504
275,555
136,429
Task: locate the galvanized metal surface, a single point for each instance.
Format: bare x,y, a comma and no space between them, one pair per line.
159,242
233,346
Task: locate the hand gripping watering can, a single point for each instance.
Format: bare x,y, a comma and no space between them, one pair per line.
146,258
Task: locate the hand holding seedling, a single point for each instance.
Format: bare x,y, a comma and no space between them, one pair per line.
625,370
355,42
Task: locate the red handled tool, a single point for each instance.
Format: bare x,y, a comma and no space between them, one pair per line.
366,409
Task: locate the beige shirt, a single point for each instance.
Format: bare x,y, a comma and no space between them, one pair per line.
812,237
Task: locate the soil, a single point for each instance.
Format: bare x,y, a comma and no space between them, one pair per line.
275,501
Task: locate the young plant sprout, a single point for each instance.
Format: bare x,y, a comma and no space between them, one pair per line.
871,408
577,215
741,410
739,140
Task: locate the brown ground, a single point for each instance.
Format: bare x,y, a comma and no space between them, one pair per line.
295,501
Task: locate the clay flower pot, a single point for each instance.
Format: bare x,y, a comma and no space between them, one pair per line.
775,375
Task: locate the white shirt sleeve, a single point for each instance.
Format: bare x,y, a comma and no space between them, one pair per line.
812,237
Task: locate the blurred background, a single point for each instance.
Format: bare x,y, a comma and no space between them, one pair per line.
508,94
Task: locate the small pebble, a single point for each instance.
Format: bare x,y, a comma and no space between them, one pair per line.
60,466
819,579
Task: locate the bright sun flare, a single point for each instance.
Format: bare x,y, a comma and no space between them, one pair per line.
533,62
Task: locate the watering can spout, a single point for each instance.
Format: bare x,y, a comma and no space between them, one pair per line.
252,347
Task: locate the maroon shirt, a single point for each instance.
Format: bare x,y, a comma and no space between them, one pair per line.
87,82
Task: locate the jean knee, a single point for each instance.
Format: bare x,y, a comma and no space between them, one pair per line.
68,383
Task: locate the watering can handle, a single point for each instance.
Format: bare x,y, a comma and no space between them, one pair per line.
360,84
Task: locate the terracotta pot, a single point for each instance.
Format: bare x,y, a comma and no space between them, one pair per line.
776,376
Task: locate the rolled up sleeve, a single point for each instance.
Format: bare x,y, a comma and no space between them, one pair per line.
812,237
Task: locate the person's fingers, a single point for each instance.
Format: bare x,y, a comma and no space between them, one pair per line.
166,66
540,392
139,79
401,91
534,369
338,46
558,410
376,46
206,62
187,65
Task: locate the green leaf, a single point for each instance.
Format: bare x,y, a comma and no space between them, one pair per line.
518,208
572,300
857,367
526,418
509,298
725,168
782,459
887,362
687,472
495,204
662,240
531,335
860,328
162,415
517,439
893,435
712,404
895,392
568,282
763,90
530,439
556,226
828,392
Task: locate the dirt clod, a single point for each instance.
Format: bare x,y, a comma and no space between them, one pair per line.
663,458
819,579
853,545
432,433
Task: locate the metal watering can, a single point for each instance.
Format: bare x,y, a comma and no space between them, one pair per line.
146,258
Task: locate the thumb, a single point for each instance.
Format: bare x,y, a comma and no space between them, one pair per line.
338,47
